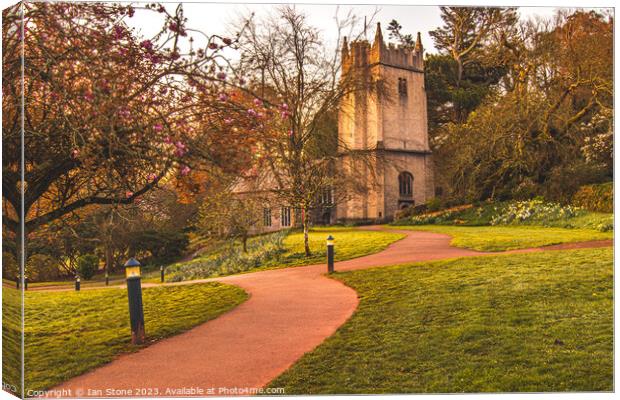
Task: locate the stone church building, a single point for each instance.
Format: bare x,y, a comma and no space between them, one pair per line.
393,122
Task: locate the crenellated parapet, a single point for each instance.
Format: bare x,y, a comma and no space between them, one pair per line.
361,53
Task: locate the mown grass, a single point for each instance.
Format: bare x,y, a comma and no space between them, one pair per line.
533,322
500,238
69,333
11,340
265,254
349,243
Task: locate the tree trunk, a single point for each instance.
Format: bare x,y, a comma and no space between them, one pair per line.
306,222
109,258
245,243
21,253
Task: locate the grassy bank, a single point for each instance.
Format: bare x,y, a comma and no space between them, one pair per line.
69,333
264,253
531,322
500,238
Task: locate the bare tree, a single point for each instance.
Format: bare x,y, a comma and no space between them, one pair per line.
224,215
292,70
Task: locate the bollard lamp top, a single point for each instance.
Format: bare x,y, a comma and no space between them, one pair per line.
132,268
330,240
132,262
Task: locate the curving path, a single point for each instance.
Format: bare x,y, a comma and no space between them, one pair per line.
290,312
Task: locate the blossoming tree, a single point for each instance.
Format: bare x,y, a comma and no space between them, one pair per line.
104,116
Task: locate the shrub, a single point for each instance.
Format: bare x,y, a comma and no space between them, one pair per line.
596,197
163,246
434,204
10,266
41,267
87,265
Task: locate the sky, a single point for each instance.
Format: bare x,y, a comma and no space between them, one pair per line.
217,18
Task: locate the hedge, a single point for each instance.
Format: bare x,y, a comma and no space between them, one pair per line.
596,197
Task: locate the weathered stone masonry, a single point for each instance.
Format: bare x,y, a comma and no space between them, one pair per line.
392,122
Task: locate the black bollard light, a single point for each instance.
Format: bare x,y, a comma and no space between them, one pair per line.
77,283
161,271
134,293
26,283
107,278
330,254
17,282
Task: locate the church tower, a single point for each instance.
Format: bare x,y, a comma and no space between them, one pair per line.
389,119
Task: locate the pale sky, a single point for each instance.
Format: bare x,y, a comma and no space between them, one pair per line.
216,18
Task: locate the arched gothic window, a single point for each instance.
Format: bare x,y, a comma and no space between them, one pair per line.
405,184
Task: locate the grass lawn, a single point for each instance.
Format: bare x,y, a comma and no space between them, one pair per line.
500,238
69,333
527,322
350,243
11,340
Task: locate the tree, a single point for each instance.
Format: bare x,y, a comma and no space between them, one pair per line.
88,264
466,31
294,75
107,116
466,68
525,140
228,215
395,30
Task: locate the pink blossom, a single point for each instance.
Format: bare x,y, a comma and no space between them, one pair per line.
227,41
75,153
285,114
128,194
241,81
173,26
223,97
213,46
163,90
124,112
168,140
119,32
258,102
221,75
147,44
252,113
158,127
290,133
89,96
151,177
228,121
284,107
185,170
180,150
